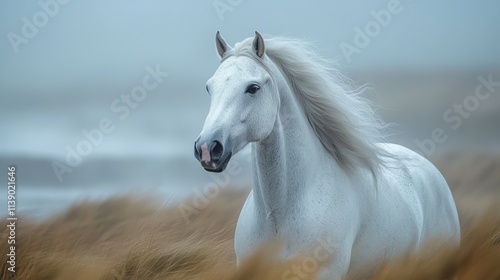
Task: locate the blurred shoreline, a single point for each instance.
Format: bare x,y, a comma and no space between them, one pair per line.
152,148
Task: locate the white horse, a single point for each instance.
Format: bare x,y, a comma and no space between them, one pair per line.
320,176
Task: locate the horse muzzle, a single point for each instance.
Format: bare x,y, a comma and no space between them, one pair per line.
213,156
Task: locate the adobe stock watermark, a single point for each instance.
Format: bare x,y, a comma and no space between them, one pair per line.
319,257
201,198
30,28
121,107
364,36
455,116
224,6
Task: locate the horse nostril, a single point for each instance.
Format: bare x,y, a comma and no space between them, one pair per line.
217,150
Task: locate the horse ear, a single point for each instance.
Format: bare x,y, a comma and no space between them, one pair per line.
221,44
258,45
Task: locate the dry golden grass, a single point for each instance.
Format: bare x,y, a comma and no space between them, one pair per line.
130,238
478,257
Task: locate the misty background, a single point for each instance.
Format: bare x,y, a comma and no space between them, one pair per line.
87,54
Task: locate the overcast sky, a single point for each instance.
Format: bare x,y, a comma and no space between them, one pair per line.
113,40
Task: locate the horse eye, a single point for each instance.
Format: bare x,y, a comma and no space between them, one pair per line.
253,88
206,87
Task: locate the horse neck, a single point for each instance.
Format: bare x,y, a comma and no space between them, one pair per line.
286,160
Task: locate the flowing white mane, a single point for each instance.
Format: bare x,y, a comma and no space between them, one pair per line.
342,119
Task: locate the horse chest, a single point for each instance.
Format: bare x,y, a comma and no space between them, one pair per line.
256,227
